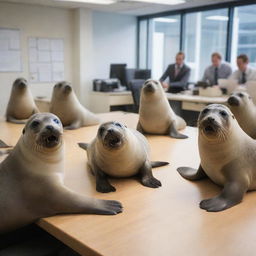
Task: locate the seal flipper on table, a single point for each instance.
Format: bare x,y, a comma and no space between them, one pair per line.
192,174
147,178
233,192
73,126
3,144
172,132
16,121
155,164
83,145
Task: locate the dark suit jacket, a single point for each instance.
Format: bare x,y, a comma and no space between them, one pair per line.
179,82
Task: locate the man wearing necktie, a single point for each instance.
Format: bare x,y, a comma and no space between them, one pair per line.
217,70
244,72
178,74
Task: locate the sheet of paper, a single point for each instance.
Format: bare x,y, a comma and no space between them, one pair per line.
57,45
44,56
43,44
32,43
57,56
10,61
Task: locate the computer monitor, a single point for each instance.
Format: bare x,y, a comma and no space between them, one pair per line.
118,71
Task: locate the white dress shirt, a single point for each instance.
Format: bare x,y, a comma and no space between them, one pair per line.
250,75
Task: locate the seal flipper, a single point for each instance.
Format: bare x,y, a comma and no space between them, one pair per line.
192,174
158,163
3,145
67,201
102,183
16,121
233,191
83,145
147,178
175,134
139,128
73,126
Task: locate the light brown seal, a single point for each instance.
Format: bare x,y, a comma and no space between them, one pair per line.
155,113
31,178
21,104
66,106
118,151
228,157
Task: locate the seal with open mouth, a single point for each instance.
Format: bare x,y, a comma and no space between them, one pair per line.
118,151
228,157
155,113
21,104
243,108
31,178
66,106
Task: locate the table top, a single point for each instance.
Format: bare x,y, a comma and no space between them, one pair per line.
174,96
163,221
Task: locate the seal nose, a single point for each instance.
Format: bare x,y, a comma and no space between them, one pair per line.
49,128
111,130
233,101
210,119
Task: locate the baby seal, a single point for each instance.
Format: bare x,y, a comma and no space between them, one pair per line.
228,157
243,108
118,151
31,178
66,106
155,113
21,104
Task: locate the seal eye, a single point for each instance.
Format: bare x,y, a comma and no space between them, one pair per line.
117,124
35,124
56,121
205,111
223,113
101,130
240,95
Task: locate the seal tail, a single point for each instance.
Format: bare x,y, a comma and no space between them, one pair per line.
158,164
83,145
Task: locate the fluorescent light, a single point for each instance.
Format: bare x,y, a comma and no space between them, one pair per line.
167,20
167,2
217,17
88,1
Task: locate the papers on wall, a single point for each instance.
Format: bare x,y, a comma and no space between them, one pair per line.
46,59
10,53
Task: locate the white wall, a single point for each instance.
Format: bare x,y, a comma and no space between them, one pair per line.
114,41
39,22
92,40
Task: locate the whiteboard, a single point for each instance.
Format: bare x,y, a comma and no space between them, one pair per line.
46,59
10,52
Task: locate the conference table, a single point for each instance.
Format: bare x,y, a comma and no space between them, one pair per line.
164,221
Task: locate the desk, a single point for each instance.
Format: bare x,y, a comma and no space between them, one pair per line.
164,221
100,102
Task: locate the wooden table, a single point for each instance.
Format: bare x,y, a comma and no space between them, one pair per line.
162,222
100,102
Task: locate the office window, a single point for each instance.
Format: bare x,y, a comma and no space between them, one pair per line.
204,33
164,43
244,34
143,44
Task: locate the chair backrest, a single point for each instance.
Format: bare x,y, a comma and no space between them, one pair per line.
135,86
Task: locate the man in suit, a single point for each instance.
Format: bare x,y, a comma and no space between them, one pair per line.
217,70
178,74
244,72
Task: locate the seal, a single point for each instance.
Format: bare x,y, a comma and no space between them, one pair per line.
155,113
228,157
21,104
31,178
66,106
120,152
243,108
